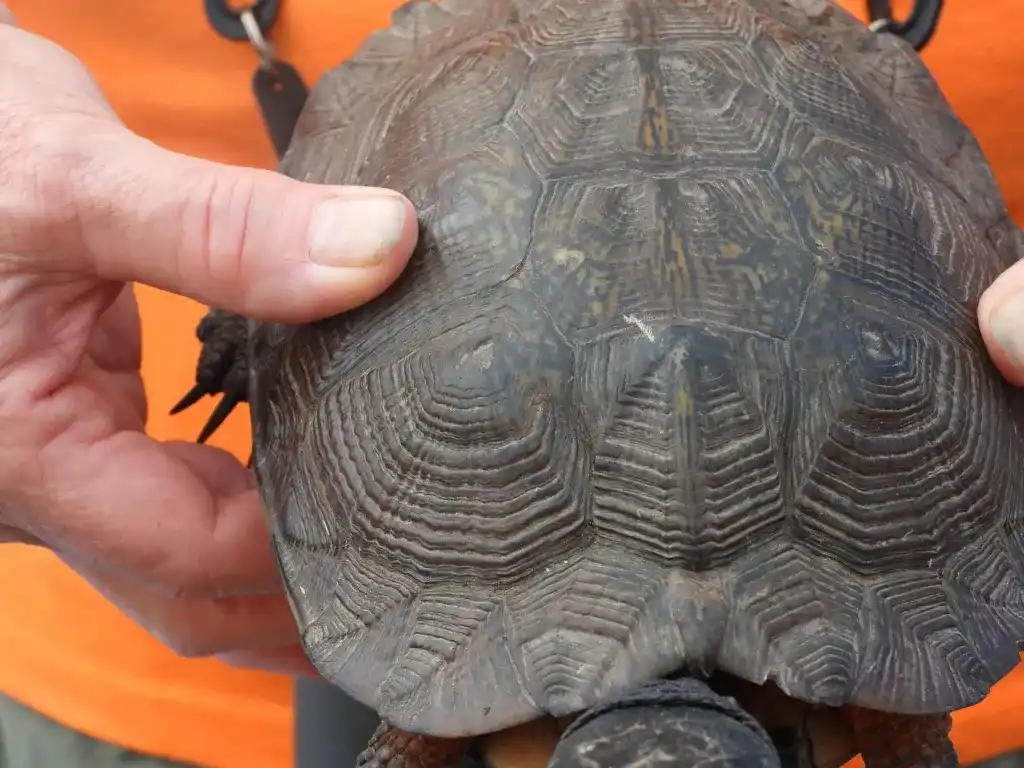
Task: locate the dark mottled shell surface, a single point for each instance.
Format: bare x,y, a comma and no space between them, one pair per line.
685,371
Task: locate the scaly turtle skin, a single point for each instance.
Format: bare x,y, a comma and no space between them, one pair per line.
684,376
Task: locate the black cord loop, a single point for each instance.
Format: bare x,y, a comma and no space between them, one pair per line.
228,22
917,29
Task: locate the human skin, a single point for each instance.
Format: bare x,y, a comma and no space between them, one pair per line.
171,532
1001,316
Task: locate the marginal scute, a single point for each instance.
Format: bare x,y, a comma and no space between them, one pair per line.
685,371
816,87
366,603
796,623
986,585
922,657
446,653
612,629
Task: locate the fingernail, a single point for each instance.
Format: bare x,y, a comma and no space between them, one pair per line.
355,232
1007,324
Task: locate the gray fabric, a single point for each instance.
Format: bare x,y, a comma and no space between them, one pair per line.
1013,759
31,740
331,728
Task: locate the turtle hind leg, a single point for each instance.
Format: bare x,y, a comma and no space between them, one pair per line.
392,747
889,740
223,368
664,725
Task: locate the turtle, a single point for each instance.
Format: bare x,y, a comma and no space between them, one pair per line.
683,385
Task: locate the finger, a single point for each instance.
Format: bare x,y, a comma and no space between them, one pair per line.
251,241
11,535
289,660
122,395
220,471
182,519
127,391
6,17
116,341
1001,316
198,627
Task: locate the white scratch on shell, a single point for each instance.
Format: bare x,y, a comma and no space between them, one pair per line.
645,329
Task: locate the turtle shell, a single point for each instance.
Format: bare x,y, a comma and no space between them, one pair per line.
684,373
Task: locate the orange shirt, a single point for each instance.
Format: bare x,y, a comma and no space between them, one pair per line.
70,654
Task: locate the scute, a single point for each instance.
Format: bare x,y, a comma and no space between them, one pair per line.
685,369
686,470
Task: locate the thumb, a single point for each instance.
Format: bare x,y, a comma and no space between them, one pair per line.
250,241
1001,316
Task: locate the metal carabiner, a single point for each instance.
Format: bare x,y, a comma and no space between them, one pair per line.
918,27
263,47
229,23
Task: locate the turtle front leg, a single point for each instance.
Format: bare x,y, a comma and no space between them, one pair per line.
223,367
889,740
392,747
668,724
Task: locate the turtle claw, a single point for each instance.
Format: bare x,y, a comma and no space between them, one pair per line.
220,413
197,393
222,369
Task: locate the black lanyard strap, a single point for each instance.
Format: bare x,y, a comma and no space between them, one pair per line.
278,87
918,27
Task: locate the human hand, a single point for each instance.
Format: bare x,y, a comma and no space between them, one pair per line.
1001,315
172,533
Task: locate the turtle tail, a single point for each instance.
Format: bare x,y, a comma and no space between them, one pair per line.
666,724
392,747
890,740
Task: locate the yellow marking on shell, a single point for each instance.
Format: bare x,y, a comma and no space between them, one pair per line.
654,132
639,25
654,127
676,258
730,250
684,403
568,257
753,276
830,225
